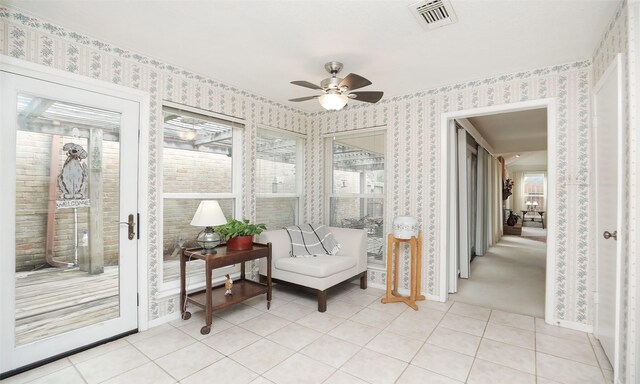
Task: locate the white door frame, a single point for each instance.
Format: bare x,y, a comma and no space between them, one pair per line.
448,192
28,69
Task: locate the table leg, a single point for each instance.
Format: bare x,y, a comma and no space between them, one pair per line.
183,286
269,278
208,306
389,266
396,265
413,281
419,296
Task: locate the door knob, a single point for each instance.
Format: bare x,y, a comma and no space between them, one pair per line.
608,234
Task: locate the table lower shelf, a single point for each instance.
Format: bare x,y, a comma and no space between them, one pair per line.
242,290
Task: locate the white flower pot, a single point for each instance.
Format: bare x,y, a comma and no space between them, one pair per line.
405,227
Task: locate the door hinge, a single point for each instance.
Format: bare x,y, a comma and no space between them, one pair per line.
137,299
138,229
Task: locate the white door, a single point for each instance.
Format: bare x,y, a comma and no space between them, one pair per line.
481,206
68,165
464,159
608,120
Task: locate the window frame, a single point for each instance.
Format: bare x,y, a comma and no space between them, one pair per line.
197,281
544,187
329,187
301,142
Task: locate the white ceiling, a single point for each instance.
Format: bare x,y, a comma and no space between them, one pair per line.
528,161
514,132
261,46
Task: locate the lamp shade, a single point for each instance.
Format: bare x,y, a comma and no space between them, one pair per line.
208,214
535,203
333,101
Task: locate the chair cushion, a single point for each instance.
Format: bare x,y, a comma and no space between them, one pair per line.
319,266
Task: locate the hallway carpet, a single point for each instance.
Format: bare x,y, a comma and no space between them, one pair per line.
509,277
534,233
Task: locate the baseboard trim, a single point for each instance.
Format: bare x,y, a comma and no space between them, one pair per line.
572,325
406,292
168,318
5,375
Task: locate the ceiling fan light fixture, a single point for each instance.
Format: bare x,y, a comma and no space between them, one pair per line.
333,101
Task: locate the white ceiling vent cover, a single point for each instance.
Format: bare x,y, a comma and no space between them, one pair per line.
433,14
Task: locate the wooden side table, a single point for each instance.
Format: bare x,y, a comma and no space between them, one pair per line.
213,298
393,266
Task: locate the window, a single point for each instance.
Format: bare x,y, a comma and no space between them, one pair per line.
201,159
357,182
534,185
278,178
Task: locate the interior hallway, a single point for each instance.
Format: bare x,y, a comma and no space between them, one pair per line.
509,277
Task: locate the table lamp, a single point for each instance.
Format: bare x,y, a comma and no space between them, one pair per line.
528,205
208,215
535,205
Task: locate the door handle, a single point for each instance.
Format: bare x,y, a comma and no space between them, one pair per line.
608,235
132,224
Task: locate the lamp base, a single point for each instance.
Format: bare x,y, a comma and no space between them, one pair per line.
210,251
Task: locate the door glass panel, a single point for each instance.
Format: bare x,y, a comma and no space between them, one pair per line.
67,214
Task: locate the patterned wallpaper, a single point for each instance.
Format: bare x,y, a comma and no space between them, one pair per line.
27,38
413,179
412,122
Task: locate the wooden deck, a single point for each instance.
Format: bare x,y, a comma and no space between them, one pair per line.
56,300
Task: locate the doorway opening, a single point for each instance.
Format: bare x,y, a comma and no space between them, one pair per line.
456,255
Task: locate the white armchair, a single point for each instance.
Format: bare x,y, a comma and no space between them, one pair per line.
321,272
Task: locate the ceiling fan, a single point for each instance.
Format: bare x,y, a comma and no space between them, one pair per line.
336,92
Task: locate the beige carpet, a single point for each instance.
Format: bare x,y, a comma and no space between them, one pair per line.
509,277
534,233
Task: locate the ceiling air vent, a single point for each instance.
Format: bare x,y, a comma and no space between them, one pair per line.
434,14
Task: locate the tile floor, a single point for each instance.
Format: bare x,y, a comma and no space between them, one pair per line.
358,340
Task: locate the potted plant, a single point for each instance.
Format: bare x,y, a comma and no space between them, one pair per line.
239,233
513,219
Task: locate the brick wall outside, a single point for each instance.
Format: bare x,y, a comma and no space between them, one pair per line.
191,172
276,212
33,157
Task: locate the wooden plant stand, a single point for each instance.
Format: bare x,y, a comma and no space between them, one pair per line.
393,266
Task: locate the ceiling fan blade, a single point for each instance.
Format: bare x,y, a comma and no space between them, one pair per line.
353,81
304,98
306,84
367,96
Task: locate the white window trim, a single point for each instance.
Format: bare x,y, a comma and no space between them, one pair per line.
329,138
544,187
301,142
171,288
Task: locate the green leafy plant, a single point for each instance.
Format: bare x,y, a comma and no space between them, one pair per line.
235,228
